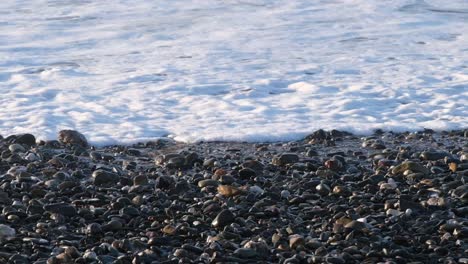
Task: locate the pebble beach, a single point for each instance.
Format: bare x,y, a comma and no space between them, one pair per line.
240,131
332,197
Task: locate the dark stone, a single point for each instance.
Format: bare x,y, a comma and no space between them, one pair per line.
93,229
26,139
164,182
434,155
105,178
317,135
247,173
61,208
225,217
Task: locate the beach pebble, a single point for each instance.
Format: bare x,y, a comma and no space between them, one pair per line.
26,139
410,166
285,158
72,137
296,241
6,231
104,178
224,218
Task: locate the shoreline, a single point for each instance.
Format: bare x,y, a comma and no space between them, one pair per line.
167,138
332,197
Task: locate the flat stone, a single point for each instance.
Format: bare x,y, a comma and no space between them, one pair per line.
6,231
244,253
406,203
356,225
285,158
61,208
434,155
228,190
410,165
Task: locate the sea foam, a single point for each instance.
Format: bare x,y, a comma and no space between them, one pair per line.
251,70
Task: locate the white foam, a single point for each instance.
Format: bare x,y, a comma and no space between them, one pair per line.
254,70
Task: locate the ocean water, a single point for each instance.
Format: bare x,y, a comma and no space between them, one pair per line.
122,71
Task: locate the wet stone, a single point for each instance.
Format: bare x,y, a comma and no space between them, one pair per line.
72,137
296,241
164,182
27,139
434,155
207,182
105,178
61,208
224,218
94,229
245,253
227,179
410,165
16,148
140,180
6,231
247,173
323,189
285,158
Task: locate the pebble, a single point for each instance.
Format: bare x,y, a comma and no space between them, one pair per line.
26,139
296,241
323,189
103,178
207,183
16,148
434,155
224,218
140,180
247,173
93,229
245,253
6,231
285,194
61,208
72,137
410,166
228,190
393,212
285,159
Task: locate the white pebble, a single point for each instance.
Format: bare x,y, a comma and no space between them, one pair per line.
16,169
392,183
285,194
393,212
362,220
408,212
90,255
32,157
6,231
256,190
